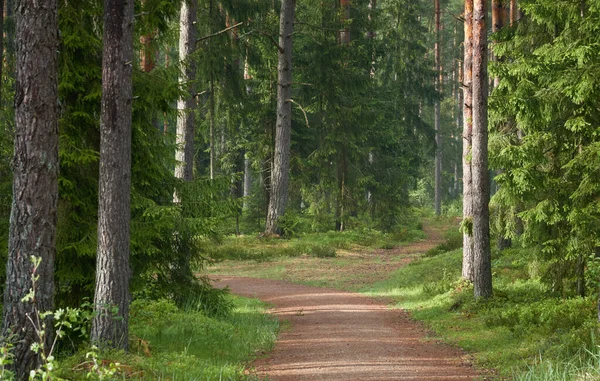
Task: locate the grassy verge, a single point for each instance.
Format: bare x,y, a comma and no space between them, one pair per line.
172,344
508,333
320,245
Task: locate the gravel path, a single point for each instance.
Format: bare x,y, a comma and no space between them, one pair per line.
335,335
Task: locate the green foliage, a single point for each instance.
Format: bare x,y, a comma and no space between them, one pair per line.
453,240
170,343
509,332
545,119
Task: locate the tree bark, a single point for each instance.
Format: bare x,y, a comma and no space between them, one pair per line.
35,182
481,180
497,24
514,10
186,104
437,116
281,163
467,265
110,326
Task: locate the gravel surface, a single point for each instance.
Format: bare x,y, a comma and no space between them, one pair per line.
335,335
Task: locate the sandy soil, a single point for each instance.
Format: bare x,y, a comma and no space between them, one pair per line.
336,335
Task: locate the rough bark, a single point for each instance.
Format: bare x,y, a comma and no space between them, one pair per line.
186,104
281,162
437,116
35,182
482,270
110,327
467,265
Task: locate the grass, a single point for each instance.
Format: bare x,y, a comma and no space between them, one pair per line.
507,333
320,245
171,344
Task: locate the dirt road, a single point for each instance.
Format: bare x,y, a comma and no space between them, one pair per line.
335,335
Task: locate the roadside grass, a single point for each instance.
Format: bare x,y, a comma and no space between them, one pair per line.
320,245
168,343
520,324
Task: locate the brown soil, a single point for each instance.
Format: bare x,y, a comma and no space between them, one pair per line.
336,335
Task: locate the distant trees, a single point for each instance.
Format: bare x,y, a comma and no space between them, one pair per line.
113,272
35,181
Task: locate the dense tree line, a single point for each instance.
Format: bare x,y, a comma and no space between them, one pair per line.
170,122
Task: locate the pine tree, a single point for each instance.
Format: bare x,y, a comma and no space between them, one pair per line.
437,111
35,182
467,136
113,273
281,161
482,266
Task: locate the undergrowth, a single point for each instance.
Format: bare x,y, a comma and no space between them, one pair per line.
320,245
169,343
509,333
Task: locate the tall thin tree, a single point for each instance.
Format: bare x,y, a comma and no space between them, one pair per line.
467,264
111,298
35,181
185,105
437,114
482,269
280,175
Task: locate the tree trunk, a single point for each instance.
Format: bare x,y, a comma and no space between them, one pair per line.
481,179
211,132
345,13
247,182
110,326
497,24
1,41
437,116
467,265
281,163
514,9
186,104
35,182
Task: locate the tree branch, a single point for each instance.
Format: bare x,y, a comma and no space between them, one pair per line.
219,32
272,40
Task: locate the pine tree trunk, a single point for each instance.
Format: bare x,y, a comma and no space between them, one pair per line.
281,163
437,116
467,264
110,328
514,9
481,180
35,181
186,104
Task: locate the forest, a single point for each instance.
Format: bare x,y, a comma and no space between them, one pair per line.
440,155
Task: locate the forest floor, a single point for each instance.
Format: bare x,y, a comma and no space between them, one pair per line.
341,335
